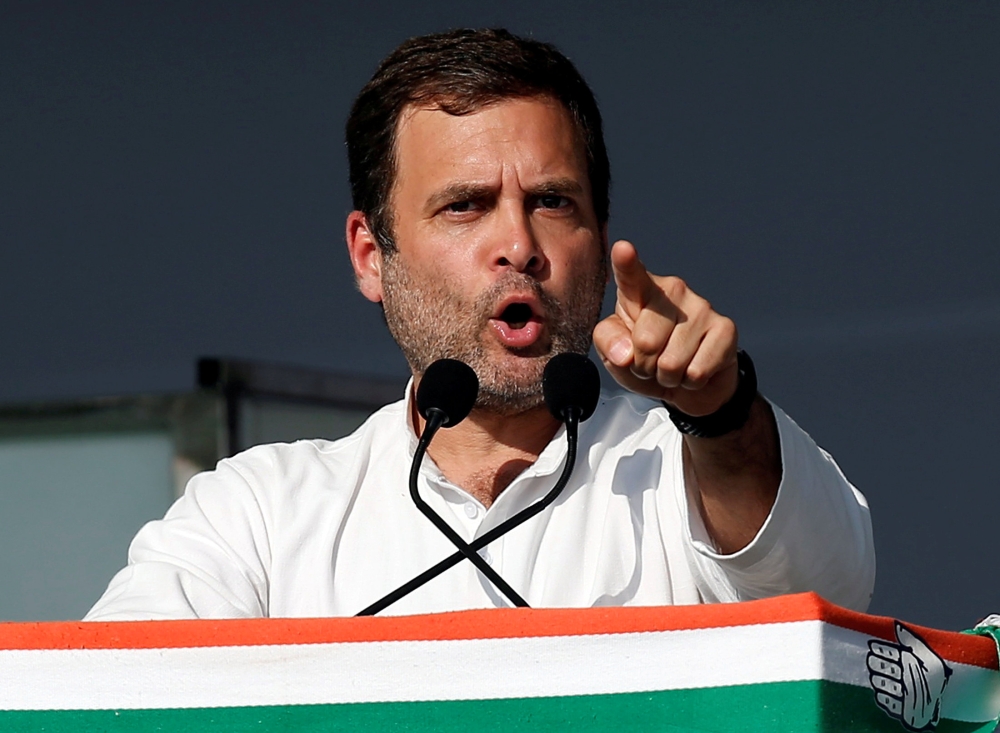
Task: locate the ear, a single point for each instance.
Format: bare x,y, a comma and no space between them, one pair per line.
366,258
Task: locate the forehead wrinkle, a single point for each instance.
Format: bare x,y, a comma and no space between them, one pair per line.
474,156
525,171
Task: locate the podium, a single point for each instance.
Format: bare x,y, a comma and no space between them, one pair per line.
795,663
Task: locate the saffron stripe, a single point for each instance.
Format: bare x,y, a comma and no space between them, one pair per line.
479,624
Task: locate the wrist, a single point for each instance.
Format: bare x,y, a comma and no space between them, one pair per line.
732,416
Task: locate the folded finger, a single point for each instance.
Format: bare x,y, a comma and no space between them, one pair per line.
650,334
675,359
715,352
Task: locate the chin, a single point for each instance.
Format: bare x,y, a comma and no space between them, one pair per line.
523,372
511,385
508,403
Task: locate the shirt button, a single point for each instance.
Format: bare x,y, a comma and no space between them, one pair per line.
471,510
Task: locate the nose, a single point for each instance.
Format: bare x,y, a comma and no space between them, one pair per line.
517,247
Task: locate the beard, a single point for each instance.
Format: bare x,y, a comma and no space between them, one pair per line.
430,320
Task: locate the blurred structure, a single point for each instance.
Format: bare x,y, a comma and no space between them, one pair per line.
78,479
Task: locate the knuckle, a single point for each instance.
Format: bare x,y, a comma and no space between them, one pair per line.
608,326
700,309
669,364
645,341
674,287
727,328
697,376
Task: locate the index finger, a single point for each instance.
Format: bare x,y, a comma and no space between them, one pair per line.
631,277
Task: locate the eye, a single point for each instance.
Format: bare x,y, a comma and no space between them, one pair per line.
553,201
461,207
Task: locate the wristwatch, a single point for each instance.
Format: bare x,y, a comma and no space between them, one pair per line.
731,416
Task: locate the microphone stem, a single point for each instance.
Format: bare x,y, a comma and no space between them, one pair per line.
572,431
435,420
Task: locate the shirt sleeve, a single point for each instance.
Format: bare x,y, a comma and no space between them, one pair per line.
207,558
818,536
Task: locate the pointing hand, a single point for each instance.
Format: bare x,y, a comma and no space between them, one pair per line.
665,341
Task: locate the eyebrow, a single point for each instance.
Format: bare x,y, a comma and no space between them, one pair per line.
557,187
478,192
459,192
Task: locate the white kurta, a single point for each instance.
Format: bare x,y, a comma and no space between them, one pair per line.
318,528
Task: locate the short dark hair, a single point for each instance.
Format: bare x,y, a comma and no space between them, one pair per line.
460,72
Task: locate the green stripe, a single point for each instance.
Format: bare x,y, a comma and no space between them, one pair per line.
772,708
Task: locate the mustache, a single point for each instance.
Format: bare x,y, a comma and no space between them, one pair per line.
486,302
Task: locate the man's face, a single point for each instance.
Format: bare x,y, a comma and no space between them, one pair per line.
500,260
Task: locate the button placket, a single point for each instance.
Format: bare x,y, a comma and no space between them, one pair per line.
445,495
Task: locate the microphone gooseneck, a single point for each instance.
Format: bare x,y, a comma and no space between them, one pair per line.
445,396
571,387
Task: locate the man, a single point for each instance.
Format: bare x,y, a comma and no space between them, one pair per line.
480,184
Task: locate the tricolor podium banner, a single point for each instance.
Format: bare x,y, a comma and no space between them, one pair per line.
789,664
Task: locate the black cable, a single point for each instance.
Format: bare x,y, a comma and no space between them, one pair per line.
465,550
435,419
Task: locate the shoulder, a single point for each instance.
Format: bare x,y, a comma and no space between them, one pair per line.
281,467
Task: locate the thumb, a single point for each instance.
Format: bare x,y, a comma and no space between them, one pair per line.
917,645
613,342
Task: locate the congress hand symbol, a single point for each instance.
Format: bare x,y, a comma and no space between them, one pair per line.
908,679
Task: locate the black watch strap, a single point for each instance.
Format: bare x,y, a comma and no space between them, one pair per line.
731,416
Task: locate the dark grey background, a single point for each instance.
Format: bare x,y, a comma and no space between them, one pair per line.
173,183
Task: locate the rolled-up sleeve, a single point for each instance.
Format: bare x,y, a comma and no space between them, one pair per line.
818,536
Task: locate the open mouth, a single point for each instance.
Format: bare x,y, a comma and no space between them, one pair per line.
517,315
520,323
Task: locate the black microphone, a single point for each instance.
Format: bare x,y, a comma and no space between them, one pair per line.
445,396
571,384
448,387
571,387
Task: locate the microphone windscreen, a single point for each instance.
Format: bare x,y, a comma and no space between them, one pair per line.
571,380
450,386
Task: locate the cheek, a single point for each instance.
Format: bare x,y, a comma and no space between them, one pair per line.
585,260
436,247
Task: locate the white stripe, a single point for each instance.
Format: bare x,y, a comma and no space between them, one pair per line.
408,670
459,670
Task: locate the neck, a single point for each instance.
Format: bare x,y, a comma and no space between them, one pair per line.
485,452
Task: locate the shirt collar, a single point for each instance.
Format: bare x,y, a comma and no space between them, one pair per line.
549,461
